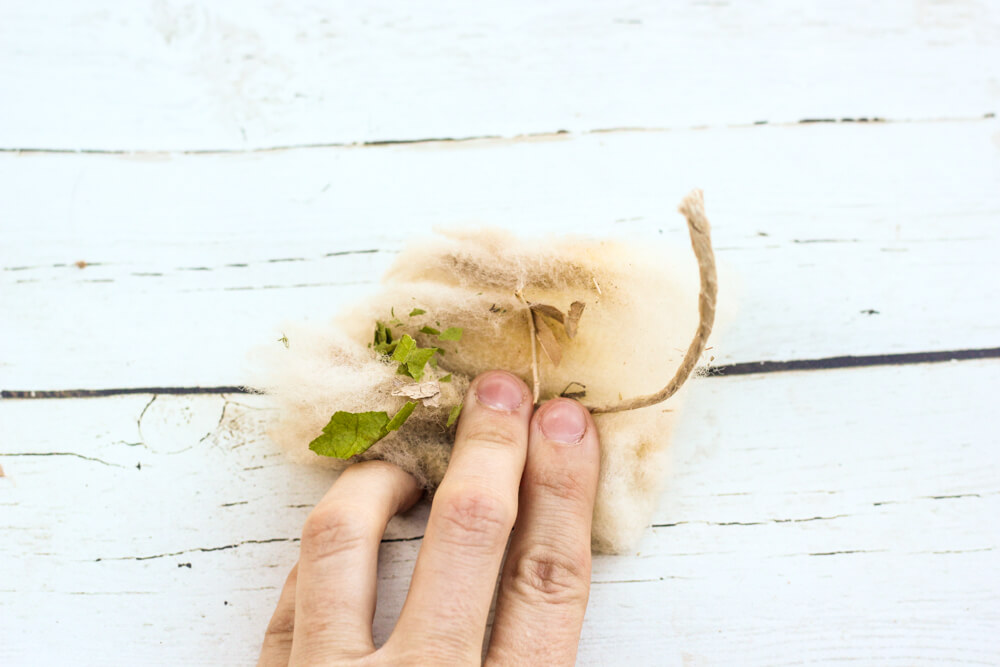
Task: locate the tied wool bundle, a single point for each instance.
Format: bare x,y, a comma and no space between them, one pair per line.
634,334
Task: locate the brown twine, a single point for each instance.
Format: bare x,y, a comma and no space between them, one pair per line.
693,208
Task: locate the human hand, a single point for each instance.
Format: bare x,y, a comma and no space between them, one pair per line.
535,473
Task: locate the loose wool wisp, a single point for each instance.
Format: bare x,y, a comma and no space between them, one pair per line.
644,326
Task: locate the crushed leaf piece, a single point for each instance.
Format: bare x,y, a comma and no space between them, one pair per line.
403,350
576,393
429,393
551,347
411,358
453,415
573,317
351,433
451,333
548,311
401,416
569,320
383,344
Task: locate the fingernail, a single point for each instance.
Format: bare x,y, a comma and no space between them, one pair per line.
500,392
564,422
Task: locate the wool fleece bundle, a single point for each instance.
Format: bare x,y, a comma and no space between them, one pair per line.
604,322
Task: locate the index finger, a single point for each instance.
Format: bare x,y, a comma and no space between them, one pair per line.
470,521
338,562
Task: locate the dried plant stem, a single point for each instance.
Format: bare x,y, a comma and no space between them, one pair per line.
693,208
536,386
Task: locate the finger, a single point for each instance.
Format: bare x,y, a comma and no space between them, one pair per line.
445,612
277,646
546,578
335,592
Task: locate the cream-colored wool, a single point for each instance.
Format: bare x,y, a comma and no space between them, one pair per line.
641,312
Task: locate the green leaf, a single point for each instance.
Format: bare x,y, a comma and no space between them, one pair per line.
384,344
417,311
406,346
453,415
429,330
401,416
417,360
445,378
349,434
451,333
411,358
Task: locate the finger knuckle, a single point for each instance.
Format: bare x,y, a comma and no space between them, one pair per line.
279,633
474,517
551,576
335,530
492,433
563,484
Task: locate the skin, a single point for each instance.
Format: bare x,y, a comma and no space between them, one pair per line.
517,476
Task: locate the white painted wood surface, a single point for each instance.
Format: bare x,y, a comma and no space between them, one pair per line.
812,517
207,255
837,515
179,75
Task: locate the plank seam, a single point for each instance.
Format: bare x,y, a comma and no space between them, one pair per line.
376,143
725,370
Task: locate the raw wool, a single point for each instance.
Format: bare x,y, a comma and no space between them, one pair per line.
322,371
639,317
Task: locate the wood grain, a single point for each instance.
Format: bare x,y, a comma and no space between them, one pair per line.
174,75
831,240
810,516
179,178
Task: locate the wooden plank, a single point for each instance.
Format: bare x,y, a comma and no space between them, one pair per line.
222,75
811,517
832,239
